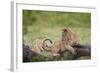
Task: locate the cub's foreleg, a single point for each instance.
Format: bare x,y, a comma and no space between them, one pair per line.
70,49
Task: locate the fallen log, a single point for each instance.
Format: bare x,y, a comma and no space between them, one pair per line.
82,50
28,53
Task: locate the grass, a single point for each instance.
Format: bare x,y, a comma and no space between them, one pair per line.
55,34
44,24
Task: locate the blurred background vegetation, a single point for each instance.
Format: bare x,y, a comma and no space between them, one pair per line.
48,24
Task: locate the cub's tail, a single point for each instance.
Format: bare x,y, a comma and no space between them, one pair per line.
47,43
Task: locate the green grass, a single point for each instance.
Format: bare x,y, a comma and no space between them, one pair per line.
55,34
44,24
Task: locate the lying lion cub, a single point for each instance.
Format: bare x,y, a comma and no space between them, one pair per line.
40,45
60,46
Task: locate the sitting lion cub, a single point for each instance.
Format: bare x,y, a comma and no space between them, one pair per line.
70,37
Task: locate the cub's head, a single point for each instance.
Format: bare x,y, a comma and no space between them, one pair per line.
66,34
69,36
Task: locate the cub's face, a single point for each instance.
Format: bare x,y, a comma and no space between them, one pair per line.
69,36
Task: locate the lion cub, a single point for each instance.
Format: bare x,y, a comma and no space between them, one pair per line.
70,37
40,45
59,47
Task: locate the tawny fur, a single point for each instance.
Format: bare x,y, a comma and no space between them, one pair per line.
38,45
60,46
70,37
